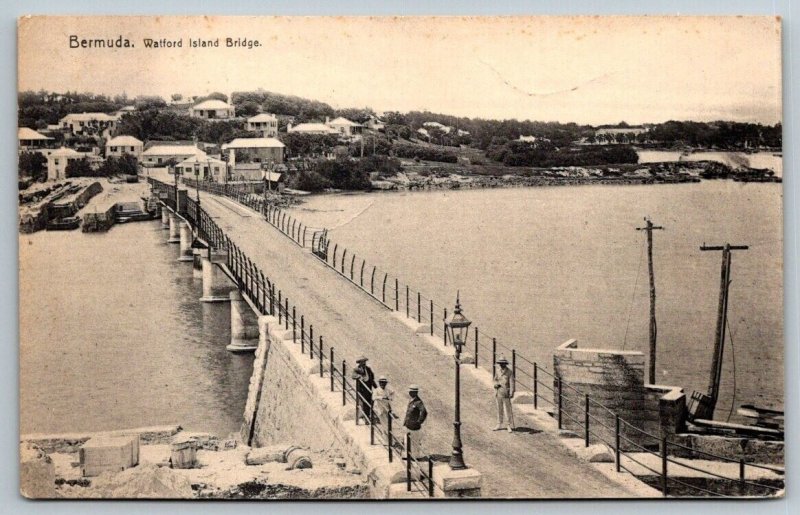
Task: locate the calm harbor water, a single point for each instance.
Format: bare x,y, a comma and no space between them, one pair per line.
113,336
538,266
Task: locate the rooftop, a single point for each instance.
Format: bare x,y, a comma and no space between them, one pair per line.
212,104
263,117
342,121
89,117
253,143
124,141
173,150
30,134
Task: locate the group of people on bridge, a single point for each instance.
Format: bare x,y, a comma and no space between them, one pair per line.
375,401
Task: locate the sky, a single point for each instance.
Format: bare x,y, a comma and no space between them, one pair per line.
588,70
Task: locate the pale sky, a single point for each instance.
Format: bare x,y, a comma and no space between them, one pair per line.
591,70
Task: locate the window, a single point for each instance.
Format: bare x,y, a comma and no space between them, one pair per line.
55,161
131,149
159,160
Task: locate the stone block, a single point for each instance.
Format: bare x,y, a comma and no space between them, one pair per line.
37,474
183,453
457,483
109,454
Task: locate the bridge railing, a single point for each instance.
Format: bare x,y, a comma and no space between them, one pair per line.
270,300
530,377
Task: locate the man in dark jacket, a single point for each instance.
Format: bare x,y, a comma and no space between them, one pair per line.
415,418
365,382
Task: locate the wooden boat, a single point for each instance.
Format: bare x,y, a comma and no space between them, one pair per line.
64,224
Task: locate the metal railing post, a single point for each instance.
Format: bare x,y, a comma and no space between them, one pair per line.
311,344
664,465
371,422
302,334
407,313
431,317
535,386
419,308
396,294
358,399
741,476
616,442
332,368
294,324
286,313
344,382
476,347
494,355
586,421
560,404
389,417
408,462
430,476
321,356
280,320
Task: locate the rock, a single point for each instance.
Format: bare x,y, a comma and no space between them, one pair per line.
269,454
37,473
144,482
229,444
566,433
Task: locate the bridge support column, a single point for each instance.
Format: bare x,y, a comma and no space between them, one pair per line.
244,325
174,230
164,217
216,284
197,263
186,238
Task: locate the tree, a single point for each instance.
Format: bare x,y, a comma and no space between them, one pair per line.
343,173
123,165
176,97
33,164
248,108
80,168
144,102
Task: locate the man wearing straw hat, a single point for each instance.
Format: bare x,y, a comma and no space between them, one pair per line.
365,382
415,417
503,393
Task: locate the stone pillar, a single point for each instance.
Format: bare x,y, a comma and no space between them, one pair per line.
164,217
457,483
197,263
186,238
244,325
174,230
216,284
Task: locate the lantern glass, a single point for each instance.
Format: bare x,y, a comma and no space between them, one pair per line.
458,326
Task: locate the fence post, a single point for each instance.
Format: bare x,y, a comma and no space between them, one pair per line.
321,356
385,276
341,266
361,276
535,386
444,326
371,422
407,297
664,465
430,476
331,370
616,441
586,421
344,382
352,264
494,356
372,282
311,345
431,317
741,476
476,347
286,313
560,404
396,294
280,320
514,366
302,334
294,324
419,308
389,418
408,462
358,399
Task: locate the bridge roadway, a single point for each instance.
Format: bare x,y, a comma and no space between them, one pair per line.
527,463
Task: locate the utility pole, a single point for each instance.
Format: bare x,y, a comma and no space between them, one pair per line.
649,228
722,320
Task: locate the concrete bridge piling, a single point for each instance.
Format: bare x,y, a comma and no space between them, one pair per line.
244,325
197,263
185,240
216,285
164,218
174,229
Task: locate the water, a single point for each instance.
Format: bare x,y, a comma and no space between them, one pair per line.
113,336
732,159
537,266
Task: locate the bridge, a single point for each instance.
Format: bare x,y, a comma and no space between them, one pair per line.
308,316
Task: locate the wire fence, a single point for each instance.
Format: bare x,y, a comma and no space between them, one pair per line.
529,377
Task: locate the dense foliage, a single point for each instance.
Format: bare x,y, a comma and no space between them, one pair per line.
424,153
165,125
312,145
302,109
33,164
37,109
518,153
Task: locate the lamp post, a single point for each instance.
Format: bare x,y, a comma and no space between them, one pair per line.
458,327
197,179
175,173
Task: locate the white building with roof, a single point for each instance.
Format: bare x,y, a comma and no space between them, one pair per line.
29,138
213,109
89,124
58,160
344,127
120,145
254,150
160,155
311,128
208,168
265,124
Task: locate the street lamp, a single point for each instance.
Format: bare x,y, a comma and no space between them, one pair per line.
197,178
458,328
175,173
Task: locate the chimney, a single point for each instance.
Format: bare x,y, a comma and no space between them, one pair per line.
289,127
327,120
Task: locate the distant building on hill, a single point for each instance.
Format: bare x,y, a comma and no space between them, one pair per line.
213,109
265,124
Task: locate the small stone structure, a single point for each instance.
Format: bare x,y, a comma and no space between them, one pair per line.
615,379
109,454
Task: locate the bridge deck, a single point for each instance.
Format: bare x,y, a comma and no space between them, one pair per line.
528,463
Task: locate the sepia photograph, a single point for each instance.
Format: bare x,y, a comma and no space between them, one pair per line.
400,257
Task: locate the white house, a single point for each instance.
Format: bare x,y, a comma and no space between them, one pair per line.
375,124
207,167
311,128
159,155
89,124
124,145
213,110
344,127
57,162
254,150
29,138
265,124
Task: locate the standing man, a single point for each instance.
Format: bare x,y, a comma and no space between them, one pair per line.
365,382
504,392
415,417
383,396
